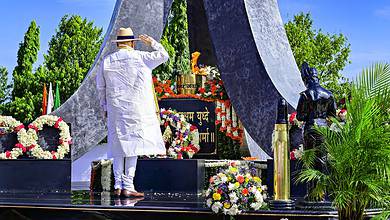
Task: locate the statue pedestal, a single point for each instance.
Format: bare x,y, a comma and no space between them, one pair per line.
35,176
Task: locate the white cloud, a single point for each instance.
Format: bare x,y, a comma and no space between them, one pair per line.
383,12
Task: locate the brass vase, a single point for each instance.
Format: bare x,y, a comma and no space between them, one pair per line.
186,84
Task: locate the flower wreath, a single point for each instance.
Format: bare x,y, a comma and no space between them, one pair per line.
186,141
236,189
15,126
65,138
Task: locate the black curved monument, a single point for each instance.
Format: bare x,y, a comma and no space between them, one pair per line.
251,50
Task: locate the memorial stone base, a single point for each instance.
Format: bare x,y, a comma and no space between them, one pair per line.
35,176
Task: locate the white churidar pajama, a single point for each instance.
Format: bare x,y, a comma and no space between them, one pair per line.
125,90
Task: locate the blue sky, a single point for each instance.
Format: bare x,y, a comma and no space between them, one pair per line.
366,24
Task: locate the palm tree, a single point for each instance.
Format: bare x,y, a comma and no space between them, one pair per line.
358,152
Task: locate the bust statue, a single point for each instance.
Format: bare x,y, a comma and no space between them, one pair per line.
315,105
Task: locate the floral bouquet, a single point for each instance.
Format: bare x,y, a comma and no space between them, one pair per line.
185,142
235,190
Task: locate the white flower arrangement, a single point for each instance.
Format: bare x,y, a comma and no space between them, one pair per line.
32,135
11,125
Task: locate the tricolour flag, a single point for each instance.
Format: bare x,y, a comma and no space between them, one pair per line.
50,100
57,100
44,100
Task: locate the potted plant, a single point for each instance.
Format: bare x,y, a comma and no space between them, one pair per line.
358,152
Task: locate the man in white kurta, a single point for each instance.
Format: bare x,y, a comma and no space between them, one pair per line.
125,90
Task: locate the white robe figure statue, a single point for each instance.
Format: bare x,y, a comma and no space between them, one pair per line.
125,89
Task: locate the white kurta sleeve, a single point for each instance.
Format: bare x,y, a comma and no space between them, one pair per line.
157,57
101,86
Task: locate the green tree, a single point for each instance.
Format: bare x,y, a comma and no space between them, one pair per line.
5,87
175,41
25,96
72,51
358,153
328,53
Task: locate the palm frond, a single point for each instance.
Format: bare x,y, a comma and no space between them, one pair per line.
374,79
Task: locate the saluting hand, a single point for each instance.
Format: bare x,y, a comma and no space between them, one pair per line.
146,39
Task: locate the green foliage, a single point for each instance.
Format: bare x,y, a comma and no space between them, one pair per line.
5,88
328,53
175,41
25,96
166,70
72,51
359,151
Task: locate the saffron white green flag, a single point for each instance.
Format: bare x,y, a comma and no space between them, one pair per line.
50,100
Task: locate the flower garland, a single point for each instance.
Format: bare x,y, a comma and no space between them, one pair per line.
234,190
13,125
186,141
64,141
163,88
227,117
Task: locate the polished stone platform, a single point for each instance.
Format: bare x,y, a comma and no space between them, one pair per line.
83,205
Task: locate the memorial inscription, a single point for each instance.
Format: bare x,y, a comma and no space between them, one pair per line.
199,113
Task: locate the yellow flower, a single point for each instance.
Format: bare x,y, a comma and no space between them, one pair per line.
217,196
237,184
226,205
233,169
246,179
259,189
256,179
229,178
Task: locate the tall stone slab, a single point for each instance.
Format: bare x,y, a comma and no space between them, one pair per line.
255,61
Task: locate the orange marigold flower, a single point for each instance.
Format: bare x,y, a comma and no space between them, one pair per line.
159,89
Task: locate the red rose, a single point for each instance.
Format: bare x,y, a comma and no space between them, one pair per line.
154,79
221,94
54,156
31,147
219,191
193,127
179,156
245,192
292,117
7,154
211,180
202,90
33,127
18,128
220,82
292,155
240,179
57,124
21,146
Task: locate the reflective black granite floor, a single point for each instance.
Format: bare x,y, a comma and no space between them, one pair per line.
102,206
177,201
